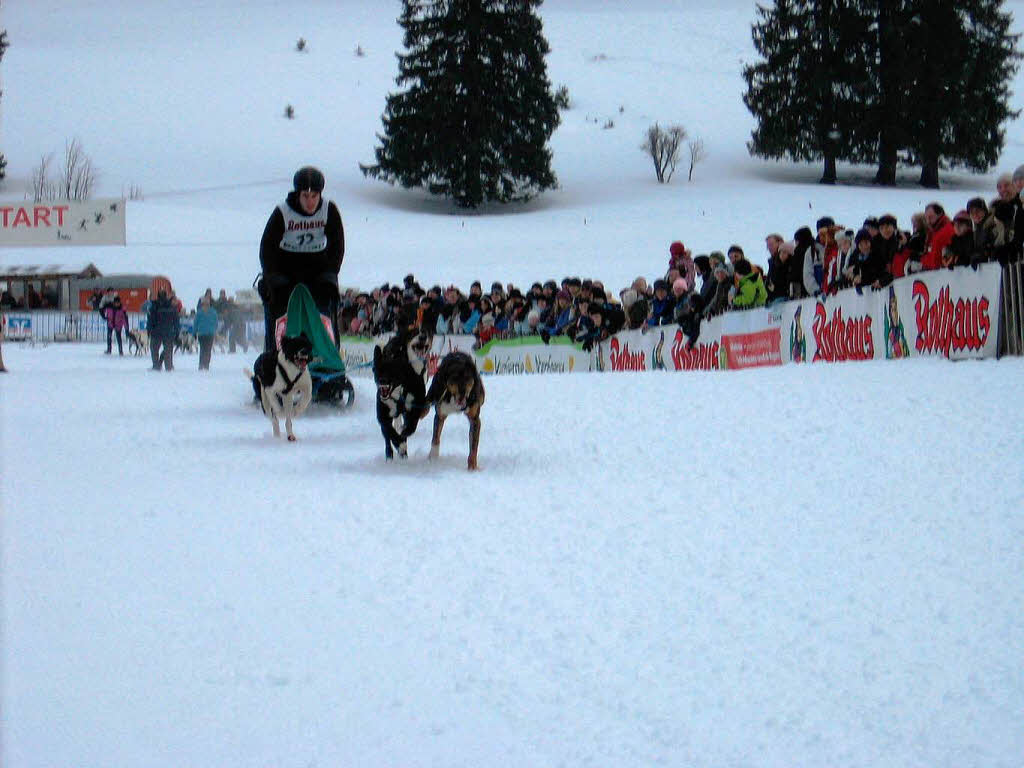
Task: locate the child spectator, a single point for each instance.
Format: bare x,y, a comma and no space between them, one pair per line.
661,305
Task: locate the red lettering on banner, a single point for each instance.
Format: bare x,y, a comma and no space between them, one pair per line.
624,360
943,326
838,340
34,217
703,357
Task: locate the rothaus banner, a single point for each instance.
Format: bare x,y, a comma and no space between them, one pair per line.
951,313
63,222
661,348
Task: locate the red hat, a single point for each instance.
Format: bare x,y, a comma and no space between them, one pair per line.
564,294
677,248
963,216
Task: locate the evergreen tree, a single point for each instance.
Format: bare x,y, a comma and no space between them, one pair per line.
477,110
808,91
964,61
3,160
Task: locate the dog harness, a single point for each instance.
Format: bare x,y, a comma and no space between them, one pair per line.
290,382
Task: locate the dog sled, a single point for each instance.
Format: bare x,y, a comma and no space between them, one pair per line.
331,385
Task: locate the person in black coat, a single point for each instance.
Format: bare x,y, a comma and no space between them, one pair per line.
303,242
163,324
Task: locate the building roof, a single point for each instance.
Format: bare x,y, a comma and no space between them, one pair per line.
52,271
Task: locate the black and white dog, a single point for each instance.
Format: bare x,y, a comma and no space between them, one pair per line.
400,373
282,382
457,388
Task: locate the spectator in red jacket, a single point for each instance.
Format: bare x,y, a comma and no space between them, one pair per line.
940,235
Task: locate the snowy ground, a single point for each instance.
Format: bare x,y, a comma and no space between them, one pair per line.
804,566
801,566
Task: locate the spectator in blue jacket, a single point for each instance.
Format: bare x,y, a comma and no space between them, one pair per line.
661,305
205,326
562,314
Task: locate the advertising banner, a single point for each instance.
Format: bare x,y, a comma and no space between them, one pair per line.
63,222
952,313
17,326
528,354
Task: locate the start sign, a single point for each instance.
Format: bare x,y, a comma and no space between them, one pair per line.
63,222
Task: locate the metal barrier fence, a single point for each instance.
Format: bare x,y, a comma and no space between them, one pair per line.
54,325
1012,309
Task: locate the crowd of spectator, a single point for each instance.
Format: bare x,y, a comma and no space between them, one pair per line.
694,288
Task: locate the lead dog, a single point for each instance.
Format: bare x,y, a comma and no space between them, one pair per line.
456,388
282,382
400,373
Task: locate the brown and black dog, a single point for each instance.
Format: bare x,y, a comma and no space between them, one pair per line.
457,388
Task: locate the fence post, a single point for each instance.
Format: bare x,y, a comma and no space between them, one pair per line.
1017,306
1011,296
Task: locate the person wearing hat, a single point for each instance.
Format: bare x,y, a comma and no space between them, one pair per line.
988,231
865,269
884,247
839,274
723,289
661,305
303,242
750,290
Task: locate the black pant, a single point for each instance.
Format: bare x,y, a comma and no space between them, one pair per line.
110,331
166,357
205,352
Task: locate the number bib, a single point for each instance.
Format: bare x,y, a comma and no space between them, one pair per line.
304,234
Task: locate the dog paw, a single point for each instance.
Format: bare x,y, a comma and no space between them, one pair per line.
472,466
292,438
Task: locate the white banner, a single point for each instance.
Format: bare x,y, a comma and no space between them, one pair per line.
953,313
63,222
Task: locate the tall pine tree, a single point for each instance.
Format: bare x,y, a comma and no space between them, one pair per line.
476,110
964,59
809,87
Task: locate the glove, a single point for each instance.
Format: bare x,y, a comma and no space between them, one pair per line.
588,345
545,336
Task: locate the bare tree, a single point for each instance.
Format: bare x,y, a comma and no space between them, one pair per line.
697,153
79,176
42,187
662,146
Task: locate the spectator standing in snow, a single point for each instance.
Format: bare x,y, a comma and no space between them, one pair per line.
117,322
164,324
205,327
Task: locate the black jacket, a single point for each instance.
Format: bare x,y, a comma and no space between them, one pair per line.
162,321
283,270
